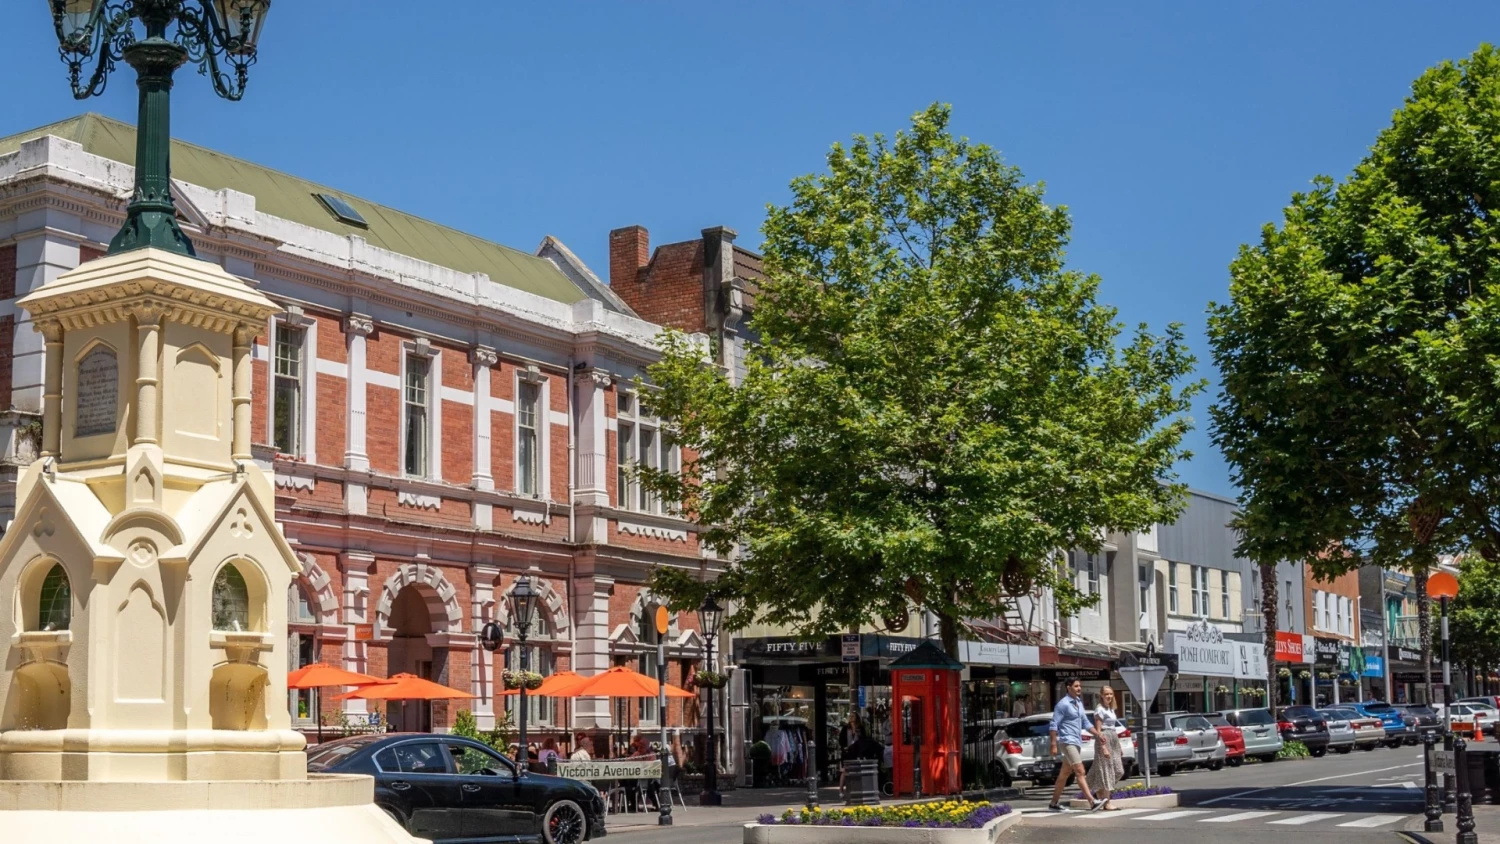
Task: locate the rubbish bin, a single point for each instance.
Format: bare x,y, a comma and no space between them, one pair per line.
861,782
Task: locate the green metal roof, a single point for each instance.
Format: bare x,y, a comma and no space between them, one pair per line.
291,198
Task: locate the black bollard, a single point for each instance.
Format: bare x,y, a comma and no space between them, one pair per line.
664,790
812,774
1448,778
1466,834
1433,808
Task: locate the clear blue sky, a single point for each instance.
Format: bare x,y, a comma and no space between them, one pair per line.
1172,131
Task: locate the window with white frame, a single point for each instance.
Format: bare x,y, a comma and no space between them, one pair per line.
540,659
529,439
416,410
1144,578
289,372
1224,594
641,441
1172,603
1091,568
302,649
1198,581
646,663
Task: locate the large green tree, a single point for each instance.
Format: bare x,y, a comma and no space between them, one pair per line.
1360,408
935,407
1474,623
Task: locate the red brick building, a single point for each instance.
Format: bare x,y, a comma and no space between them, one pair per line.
442,414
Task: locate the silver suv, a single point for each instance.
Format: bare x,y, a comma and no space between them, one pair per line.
1262,738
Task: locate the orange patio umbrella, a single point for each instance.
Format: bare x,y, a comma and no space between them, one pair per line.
405,687
623,682
401,687
321,675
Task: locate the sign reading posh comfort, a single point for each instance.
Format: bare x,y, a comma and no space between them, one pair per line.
606,769
1203,650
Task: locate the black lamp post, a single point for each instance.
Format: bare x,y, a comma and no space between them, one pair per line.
522,605
217,35
709,616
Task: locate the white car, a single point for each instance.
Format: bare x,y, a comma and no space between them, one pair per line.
1462,717
1023,750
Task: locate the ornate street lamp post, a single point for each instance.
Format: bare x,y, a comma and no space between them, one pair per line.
217,35
709,616
522,605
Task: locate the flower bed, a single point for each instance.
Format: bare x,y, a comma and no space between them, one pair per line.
948,814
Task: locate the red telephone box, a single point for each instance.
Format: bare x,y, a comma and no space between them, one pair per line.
926,729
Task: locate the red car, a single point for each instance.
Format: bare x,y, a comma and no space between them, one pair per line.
1234,739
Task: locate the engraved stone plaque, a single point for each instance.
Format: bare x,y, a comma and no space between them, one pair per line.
97,393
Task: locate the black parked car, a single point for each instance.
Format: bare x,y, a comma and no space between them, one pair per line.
448,788
1307,725
1428,720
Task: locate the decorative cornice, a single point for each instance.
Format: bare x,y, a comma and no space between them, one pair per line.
531,374
421,347
653,531
601,378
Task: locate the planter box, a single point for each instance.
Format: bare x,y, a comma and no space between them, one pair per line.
1155,801
807,834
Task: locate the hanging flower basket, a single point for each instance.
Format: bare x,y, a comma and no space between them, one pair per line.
711,680
1221,690
1303,675
514,680
1323,675
1283,672
1253,692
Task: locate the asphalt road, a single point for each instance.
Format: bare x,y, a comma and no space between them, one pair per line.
1335,798
1357,797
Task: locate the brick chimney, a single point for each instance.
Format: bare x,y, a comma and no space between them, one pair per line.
629,251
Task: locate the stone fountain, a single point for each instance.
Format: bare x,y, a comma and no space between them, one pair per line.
143,582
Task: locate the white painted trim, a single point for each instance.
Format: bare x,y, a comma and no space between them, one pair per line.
558,417
337,369
502,406
458,396
374,377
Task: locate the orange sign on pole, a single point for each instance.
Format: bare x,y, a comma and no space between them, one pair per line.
1442,584
662,620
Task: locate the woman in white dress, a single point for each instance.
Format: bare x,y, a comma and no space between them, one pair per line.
1106,771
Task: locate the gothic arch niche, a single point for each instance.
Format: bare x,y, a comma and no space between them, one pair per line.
318,587
41,692
96,408
238,605
196,373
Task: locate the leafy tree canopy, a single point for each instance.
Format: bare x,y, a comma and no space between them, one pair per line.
1361,391
1475,615
936,407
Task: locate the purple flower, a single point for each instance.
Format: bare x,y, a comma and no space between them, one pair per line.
766,820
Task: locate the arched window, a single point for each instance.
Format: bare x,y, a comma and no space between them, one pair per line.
231,603
55,610
299,606
540,638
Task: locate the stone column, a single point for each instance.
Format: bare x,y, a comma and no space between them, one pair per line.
52,333
482,579
147,380
593,439
357,328
244,336
483,359
591,645
358,568
44,251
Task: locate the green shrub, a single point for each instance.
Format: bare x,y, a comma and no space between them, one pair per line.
1294,750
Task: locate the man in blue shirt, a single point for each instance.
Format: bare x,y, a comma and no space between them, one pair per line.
1070,720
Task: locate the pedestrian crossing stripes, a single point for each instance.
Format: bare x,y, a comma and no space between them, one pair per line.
1273,818
1242,816
1299,820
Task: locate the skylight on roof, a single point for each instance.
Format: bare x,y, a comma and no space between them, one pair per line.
342,210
